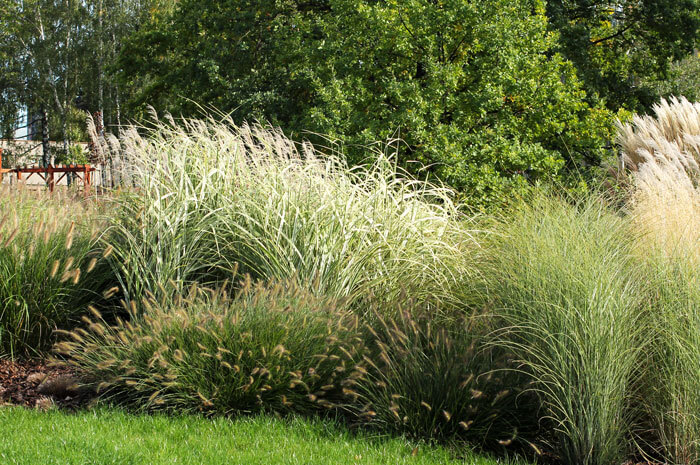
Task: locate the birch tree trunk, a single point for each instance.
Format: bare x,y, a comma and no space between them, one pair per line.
45,146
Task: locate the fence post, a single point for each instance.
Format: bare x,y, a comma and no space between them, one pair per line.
50,177
86,180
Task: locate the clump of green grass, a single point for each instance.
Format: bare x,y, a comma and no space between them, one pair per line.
213,196
438,380
273,347
672,394
563,280
51,267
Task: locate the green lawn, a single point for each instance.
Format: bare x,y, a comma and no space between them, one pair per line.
114,437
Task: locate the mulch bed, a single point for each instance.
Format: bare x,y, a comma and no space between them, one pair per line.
38,384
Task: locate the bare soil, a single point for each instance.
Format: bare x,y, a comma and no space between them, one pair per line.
39,384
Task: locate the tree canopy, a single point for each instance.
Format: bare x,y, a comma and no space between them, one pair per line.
617,46
56,57
488,95
473,89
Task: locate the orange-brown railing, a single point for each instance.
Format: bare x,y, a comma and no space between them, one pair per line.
49,173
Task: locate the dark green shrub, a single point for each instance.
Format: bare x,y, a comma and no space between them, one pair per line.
683,80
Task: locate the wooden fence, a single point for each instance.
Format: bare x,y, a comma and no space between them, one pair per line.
48,174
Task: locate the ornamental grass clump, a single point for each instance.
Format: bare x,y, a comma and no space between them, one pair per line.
438,380
212,196
563,280
51,267
273,348
665,212
670,136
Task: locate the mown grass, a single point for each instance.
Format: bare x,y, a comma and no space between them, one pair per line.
114,437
